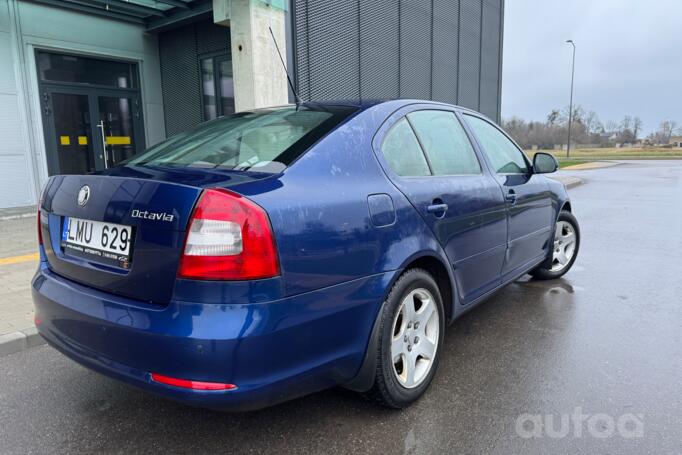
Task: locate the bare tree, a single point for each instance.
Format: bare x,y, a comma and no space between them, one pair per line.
636,127
587,128
665,131
670,126
612,127
578,114
626,123
592,123
625,133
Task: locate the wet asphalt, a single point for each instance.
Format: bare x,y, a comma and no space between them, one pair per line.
604,342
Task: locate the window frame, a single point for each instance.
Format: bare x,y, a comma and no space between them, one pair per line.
215,58
529,165
423,148
419,145
402,113
134,67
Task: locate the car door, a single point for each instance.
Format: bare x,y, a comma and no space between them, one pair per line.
528,198
431,160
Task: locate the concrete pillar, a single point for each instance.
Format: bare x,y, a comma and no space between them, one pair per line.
259,78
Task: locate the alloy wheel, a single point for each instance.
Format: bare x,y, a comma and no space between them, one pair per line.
564,245
416,328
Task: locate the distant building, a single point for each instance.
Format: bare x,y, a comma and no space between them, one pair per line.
676,141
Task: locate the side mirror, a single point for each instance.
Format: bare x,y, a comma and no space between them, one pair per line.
544,163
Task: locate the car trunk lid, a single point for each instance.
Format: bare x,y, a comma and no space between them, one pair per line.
157,212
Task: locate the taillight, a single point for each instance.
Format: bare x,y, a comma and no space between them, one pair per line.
40,231
229,238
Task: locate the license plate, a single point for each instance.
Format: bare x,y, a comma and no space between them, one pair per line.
108,243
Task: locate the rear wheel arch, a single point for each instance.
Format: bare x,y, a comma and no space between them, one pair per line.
440,274
364,379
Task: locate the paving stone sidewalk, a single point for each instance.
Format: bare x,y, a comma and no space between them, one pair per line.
17,266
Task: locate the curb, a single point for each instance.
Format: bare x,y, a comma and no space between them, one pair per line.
569,181
573,183
17,213
19,341
591,165
16,217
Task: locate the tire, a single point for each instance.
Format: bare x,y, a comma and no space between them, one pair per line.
557,267
415,289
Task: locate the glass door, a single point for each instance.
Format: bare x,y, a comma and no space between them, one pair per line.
71,134
92,115
116,125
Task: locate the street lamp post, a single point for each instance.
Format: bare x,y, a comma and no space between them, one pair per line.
570,106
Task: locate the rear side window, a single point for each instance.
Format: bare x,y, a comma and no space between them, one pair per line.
445,143
505,157
402,152
263,140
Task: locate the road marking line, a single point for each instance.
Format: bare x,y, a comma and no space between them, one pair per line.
19,259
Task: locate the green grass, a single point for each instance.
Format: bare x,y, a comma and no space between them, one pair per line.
565,163
584,155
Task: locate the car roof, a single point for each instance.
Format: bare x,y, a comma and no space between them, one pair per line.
363,104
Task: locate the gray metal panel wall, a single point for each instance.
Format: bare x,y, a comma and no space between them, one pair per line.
490,52
415,49
337,23
469,53
445,50
380,44
180,50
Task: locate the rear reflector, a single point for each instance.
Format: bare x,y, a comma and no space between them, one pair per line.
194,385
229,238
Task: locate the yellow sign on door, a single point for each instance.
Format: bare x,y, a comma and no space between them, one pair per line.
118,140
64,140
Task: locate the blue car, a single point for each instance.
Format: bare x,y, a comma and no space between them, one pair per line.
277,252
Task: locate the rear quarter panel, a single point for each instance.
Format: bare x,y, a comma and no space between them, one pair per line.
320,214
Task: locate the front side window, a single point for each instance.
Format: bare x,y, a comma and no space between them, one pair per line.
505,157
263,140
402,151
445,143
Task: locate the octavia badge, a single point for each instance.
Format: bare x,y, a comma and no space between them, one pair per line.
83,195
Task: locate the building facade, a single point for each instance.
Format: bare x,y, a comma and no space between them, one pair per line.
89,83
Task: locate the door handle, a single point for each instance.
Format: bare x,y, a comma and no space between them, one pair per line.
100,125
511,197
437,209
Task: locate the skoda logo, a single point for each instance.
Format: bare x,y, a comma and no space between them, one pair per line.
83,195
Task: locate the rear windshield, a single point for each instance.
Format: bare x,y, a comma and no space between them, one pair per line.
263,140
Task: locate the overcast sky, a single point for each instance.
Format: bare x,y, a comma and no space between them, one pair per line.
628,58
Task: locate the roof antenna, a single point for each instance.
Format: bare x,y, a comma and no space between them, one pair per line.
291,84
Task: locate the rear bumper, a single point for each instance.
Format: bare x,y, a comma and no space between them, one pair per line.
271,351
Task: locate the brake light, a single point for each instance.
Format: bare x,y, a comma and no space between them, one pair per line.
229,238
40,231
187,384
